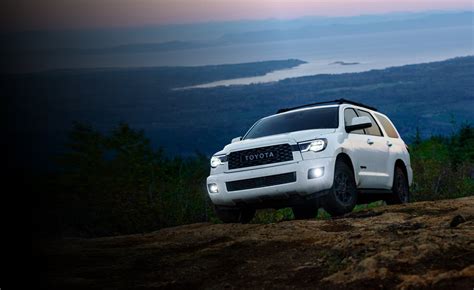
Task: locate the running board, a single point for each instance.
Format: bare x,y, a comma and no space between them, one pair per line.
374,191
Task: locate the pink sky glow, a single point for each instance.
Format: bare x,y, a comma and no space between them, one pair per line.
67,14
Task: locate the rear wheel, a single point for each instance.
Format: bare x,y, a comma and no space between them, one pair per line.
400,189
305,212
234,215
342,197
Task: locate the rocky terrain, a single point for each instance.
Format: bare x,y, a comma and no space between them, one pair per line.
420,245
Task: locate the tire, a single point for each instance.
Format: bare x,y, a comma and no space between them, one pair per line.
305,212
342,197
234,215
400,189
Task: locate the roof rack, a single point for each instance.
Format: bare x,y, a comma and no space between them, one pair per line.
339,101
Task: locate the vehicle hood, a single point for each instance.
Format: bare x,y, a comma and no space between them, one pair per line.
291,138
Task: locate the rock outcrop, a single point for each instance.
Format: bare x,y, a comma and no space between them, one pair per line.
414,246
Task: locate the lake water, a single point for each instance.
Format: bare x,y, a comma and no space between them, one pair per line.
367,52
371,51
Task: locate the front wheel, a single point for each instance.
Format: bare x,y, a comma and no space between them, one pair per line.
342,197
400,189
234,215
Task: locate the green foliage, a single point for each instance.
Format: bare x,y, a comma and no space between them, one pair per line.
267,216
116,183
443,166
361,207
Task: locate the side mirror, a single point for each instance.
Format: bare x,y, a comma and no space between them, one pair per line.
236,139
359,123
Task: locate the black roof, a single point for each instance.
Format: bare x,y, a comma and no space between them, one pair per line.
339,101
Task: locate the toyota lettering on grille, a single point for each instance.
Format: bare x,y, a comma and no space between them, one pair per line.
258,156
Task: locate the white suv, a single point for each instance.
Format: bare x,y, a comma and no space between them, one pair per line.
332,154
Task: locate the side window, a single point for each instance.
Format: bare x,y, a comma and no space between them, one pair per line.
375,129
349,114
388,127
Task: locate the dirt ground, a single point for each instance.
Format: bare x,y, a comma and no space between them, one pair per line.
420,245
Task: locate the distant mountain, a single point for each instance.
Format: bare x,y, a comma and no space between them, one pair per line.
123,49
338,29
159,39
147,47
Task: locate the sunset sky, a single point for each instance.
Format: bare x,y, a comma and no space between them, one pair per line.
75,14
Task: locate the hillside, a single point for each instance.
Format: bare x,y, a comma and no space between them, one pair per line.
415,246
43,106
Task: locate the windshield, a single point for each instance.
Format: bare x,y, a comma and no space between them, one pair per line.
323,118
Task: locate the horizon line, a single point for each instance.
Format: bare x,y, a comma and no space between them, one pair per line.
211,22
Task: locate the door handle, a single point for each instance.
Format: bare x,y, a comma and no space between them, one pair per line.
370,142
389,144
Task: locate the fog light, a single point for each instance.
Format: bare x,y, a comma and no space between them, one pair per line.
315,172
213,188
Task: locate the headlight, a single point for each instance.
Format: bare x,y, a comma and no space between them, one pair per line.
213,188
314,145
217,160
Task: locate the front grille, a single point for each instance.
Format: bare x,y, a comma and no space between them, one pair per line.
260,156
261,181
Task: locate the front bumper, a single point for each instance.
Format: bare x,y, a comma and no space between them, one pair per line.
302,187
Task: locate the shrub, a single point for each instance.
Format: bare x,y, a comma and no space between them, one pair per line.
117,183
443,166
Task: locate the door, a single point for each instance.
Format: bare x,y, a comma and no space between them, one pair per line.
369,152
378,155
